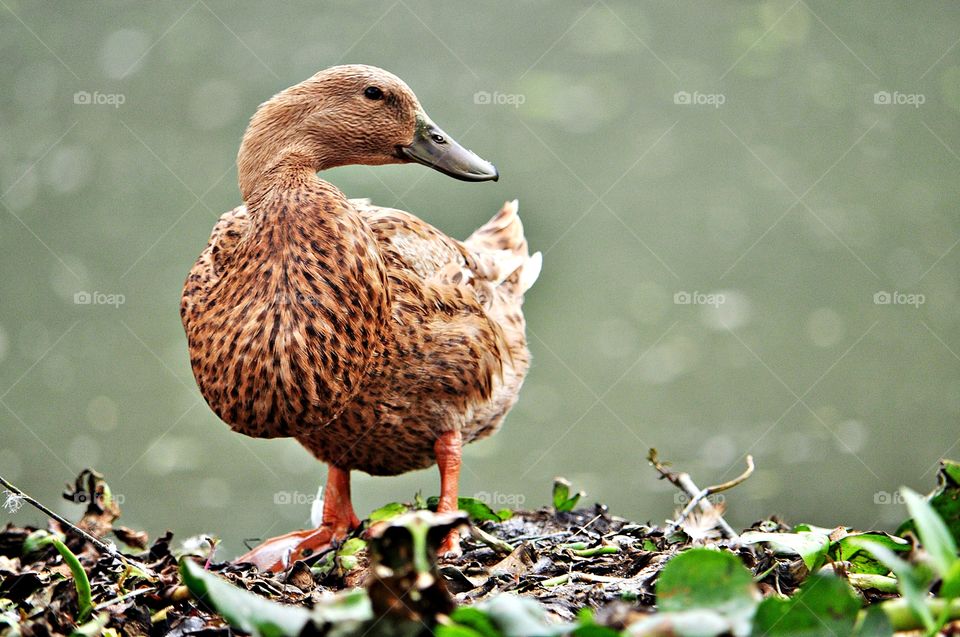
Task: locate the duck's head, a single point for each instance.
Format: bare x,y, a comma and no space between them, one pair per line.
352,114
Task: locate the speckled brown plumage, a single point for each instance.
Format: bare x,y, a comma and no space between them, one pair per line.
363,332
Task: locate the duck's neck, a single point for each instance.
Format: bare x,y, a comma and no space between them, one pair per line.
292,210
262,169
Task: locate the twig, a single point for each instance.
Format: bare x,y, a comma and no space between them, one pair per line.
122,598
537,537
579,576
729,484
104,547
698,496
495,543
585,526
702,496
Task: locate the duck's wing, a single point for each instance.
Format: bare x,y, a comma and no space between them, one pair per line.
421,247
494,257
480,281
214,260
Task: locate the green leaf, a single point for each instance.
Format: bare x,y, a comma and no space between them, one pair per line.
950,588
352,546
562,500
347,606
457,630
388,512
945,500
517,616
325,566
243,610
419,503
688,623
588,628
903,618
593,630
561,492
347,553
9,617
824,606
933,533
474,619
810,546
908,578
873,623
812,528
38,540
704,579
849,548
478,510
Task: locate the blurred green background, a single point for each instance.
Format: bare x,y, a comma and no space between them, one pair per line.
778,165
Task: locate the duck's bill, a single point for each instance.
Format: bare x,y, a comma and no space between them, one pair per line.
434,148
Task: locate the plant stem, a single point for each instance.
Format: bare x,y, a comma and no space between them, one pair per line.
902,617
104,547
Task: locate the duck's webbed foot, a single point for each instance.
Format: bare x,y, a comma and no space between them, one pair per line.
339,519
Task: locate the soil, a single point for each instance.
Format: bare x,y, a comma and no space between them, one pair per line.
565,560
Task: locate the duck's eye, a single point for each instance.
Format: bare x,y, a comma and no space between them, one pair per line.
373,93
439,139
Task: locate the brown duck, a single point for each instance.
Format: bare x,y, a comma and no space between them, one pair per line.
377,341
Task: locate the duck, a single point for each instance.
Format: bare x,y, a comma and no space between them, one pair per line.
375,340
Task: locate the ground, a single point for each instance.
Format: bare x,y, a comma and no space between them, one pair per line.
55,579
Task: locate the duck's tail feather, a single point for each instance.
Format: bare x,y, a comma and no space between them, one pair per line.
530,272
502,241
503,232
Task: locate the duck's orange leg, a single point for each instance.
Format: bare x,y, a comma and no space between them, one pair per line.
279,552
448,449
